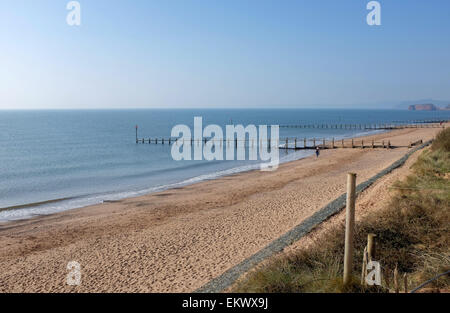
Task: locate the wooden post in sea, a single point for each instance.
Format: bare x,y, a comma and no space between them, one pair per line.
332,143
373,144
136,134
353,144
323,143
295,143
342,143
314,142
287,142
362,144
304,142
349,226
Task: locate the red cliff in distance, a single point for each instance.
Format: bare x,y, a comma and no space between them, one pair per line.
423,107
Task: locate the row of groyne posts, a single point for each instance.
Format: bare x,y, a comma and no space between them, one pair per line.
395,125
287,143
300,143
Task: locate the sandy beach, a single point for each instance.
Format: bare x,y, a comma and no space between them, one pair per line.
179,239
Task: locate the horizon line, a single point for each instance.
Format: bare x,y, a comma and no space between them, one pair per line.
202,108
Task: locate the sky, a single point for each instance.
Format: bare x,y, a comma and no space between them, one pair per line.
222,54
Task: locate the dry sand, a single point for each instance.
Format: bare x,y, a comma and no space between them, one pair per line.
178,240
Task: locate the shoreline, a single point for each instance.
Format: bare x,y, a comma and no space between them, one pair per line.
178,240
137,193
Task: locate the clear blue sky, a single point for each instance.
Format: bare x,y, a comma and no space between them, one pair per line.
222,53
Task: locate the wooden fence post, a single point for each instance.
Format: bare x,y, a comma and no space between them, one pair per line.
349,226
364,267
369,255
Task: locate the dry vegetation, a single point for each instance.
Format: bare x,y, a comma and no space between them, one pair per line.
413,233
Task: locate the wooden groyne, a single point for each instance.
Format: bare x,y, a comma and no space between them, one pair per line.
364,126
423,121
295,143
286,143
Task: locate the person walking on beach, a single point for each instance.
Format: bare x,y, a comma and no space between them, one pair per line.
317,152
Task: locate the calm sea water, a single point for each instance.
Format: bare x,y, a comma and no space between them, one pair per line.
78,158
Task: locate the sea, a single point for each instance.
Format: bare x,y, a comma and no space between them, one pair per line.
56,160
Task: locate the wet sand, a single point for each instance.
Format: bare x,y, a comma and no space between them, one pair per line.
179,239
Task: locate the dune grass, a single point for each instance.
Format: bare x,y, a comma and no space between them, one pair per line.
413,233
